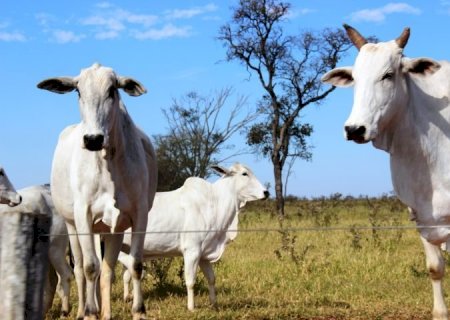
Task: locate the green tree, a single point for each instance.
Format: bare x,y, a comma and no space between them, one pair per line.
288,68
199,131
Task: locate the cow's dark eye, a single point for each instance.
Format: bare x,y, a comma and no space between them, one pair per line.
387,76
245,174
2,173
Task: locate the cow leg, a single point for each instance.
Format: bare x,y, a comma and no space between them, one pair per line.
191,261
113,243
126,261
208,271
78,269
51,282
91,265
126,286
136,265
58,261
436,268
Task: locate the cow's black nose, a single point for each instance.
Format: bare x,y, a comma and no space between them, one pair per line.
266,194
93,142
355,133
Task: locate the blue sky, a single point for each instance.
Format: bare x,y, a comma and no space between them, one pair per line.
171,47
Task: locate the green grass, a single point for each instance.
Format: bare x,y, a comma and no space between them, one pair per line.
339,274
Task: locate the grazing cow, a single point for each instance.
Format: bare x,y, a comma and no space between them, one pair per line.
203,212
402,106
103,180
8,194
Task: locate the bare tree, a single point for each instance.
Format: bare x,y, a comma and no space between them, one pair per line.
289,70
199,129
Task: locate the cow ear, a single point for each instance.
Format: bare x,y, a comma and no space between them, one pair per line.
131,86
421,66
339,77
58,85
220,170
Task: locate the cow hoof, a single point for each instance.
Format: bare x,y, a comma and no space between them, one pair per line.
64,314
139,316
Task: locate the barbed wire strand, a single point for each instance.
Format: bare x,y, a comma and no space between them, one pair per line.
264,230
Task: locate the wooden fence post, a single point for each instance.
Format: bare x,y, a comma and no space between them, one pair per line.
24,242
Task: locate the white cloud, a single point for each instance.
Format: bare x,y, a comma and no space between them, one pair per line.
12,36
189,13
168,31
112,21
108,21
62,36
292,14
104,5
379,14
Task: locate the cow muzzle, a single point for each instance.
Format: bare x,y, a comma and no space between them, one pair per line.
93,142
356,133
16,201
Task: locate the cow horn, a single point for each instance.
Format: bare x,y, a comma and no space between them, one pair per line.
403,39
357,39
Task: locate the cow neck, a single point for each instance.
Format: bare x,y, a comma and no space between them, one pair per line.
416,142
120,142
422,118
226,203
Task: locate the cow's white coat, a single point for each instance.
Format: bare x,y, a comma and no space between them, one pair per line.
402,106
103,180
202,212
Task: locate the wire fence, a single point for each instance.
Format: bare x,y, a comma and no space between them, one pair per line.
267,230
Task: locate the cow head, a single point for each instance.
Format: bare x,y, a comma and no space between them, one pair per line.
98,98
247,186
379,77
8,194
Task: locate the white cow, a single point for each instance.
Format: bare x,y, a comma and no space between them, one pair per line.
402,106
8,194
38,199
206,209
59,241
103,180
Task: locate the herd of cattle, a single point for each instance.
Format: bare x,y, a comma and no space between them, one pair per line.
103,177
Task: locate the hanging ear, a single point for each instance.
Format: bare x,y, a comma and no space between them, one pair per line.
220,170
421,66
58,85
131,86
339,77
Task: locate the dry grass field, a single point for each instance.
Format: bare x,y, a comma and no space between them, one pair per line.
326,272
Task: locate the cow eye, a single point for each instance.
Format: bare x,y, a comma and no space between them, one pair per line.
245,174
387,76
2,173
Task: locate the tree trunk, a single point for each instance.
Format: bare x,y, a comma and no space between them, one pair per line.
278,169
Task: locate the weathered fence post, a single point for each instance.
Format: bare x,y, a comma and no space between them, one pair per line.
24,242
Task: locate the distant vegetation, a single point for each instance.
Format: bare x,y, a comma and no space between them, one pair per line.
336,267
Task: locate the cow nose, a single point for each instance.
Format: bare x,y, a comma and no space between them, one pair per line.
355,133
266,194
93,142
16,201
